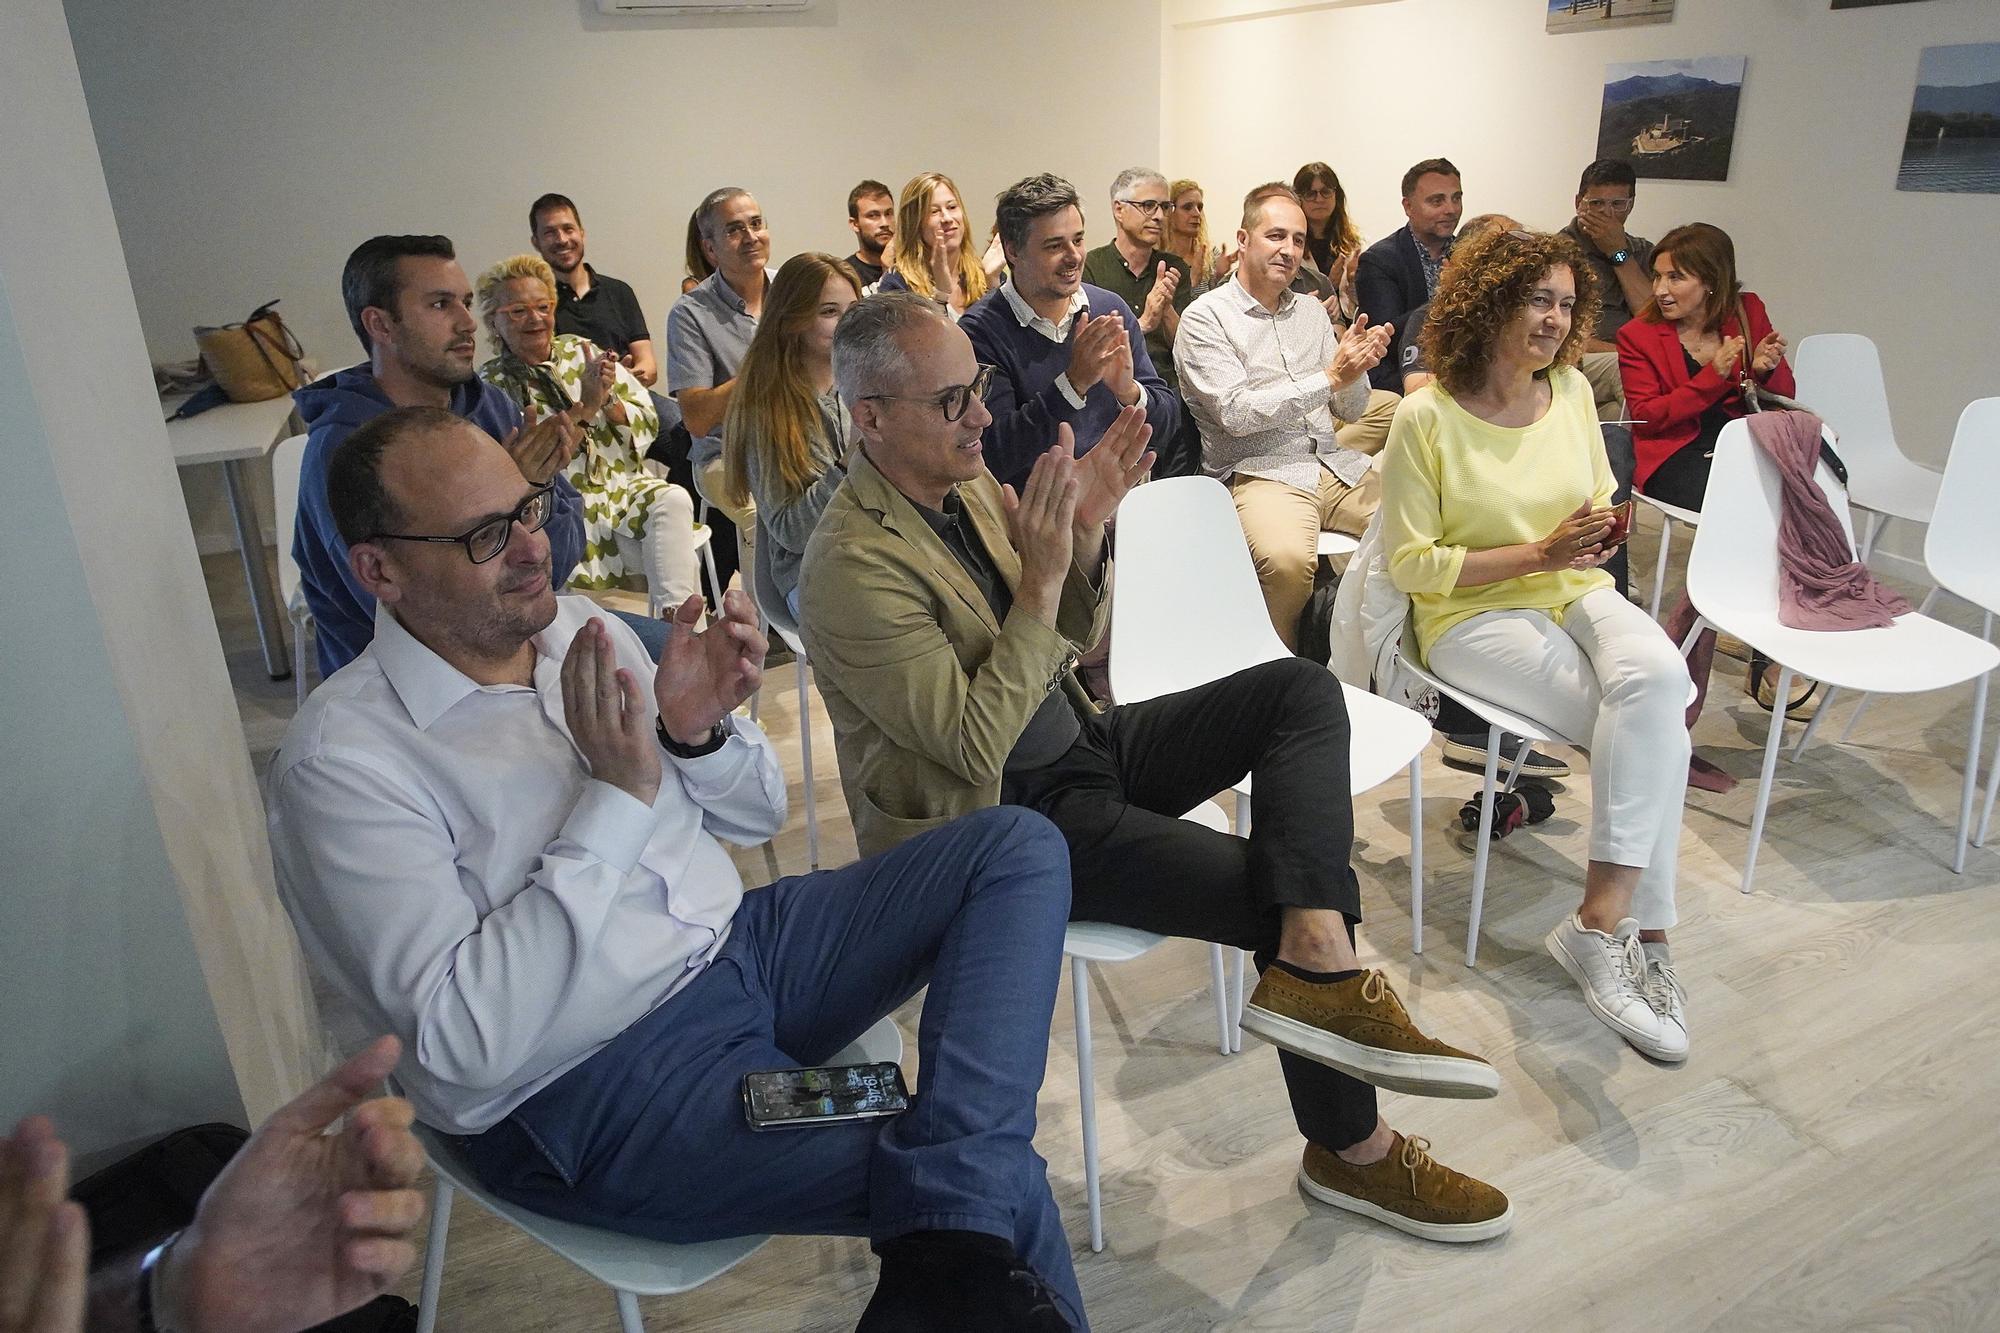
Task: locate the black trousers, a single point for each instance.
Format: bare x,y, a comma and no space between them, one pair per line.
1117,796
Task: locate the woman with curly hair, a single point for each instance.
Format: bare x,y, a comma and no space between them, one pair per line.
932,256
1495,519
784,445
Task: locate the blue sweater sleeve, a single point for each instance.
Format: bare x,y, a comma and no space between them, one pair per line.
565,533
1163,405
1024,418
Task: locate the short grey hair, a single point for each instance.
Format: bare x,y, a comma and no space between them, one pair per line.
704,215
1017,206
867,357
1134,176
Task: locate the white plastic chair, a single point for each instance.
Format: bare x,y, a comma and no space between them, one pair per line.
1840,379
1087,942
631,1266
771,605
287,460
1337,544
1960,554
1188,610
1733,582
1669,515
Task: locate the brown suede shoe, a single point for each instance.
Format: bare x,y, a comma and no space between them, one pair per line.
1359,1027
1409,1191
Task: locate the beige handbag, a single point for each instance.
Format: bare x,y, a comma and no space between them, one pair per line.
254,360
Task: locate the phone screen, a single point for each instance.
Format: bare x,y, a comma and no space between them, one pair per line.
787,1098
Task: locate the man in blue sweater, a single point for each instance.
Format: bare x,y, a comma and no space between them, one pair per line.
411,306
1063,352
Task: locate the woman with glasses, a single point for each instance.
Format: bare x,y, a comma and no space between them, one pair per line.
1332,243
638,528
1496,515
784,444
1187,236
933,258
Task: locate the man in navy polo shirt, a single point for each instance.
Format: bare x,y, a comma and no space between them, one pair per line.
1063,351
588,303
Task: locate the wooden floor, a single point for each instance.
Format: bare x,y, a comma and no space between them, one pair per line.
1825,1160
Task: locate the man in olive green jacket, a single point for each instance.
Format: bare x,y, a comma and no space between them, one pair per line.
943,613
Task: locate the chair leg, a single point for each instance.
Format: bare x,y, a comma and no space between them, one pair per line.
1660,565
1923,610
1479,855
1812,724
1220,986
629,1318
1972,747
1771,743
1079,998
1238,966
1417,853
427,1299
1876,520
1694,633
806,755
1992,788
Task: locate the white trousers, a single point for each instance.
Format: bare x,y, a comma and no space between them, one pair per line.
666,554
1608,679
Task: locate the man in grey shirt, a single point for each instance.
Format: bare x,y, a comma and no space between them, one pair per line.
1624,267
1265,376
708,332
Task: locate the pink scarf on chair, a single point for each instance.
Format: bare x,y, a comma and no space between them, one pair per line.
1821,586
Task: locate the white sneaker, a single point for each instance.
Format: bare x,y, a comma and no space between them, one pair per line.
1611,970
1669,1000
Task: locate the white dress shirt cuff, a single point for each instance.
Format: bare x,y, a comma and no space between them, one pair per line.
611,824
1063,384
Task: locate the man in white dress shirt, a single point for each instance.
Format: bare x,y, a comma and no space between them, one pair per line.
1265,377
497,832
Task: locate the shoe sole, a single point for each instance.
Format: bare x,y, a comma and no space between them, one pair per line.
1638,1043
1475,762
1450,1233
1395,1071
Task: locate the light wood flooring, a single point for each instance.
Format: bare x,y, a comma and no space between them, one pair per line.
1825,1160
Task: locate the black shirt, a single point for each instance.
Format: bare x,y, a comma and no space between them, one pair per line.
870,274
608,314
1054,727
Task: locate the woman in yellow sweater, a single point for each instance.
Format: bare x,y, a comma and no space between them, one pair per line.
1496,517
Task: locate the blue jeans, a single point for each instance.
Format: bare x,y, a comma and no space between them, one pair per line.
647,1136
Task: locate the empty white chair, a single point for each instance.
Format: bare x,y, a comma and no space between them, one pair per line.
1960,552
1669,515
287,460
1337,544
1733,581
1087,942
1840,379
771,605
630,1265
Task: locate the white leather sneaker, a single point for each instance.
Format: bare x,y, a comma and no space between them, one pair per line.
1611,971
1665,994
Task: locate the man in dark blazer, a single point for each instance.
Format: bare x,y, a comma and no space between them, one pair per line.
1400,272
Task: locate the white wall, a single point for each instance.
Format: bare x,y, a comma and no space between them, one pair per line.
147,975
1821,231
251,145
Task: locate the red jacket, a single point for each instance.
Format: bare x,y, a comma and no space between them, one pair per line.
1660,394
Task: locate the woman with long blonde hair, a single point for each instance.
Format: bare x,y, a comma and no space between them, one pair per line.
1187,236
784,442
932,257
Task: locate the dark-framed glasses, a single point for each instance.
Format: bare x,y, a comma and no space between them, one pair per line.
490,538
1152,208
955,401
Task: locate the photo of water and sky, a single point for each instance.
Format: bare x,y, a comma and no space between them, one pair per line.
1598,15
1953,142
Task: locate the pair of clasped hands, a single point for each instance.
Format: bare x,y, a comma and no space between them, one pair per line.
1587,538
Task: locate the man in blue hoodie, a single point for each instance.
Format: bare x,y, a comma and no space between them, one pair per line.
411,306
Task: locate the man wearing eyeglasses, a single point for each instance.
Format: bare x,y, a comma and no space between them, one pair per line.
502,839
411,306
1063,352
1622,261
944,613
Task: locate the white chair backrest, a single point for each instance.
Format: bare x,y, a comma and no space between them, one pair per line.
1187,608
1840,380
286,462
1959,547
765,586
1734,563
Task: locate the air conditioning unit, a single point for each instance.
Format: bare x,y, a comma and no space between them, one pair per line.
672,8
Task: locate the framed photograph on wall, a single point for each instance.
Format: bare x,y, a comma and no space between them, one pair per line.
1598,15
1952,145
1870,4
1672,119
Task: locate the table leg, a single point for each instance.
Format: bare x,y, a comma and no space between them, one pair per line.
257,572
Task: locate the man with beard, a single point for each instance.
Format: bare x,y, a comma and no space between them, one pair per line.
1267,379
871,213
1063,352
411,306
502,839
1400,272
588,303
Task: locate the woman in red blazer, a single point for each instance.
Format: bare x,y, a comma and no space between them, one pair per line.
1684,358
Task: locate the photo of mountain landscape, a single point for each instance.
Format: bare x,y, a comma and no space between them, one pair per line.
1596,15
1672,119
1952,145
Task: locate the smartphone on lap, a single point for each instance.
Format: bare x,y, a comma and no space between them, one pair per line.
828,1095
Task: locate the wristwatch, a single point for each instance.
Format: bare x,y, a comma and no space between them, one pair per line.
1620,257
718,736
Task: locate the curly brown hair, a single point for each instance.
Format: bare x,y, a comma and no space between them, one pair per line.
1486,283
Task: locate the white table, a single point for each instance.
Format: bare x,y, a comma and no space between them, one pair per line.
232,435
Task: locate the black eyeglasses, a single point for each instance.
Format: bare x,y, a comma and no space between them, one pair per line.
1152,208
490,538
953,402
